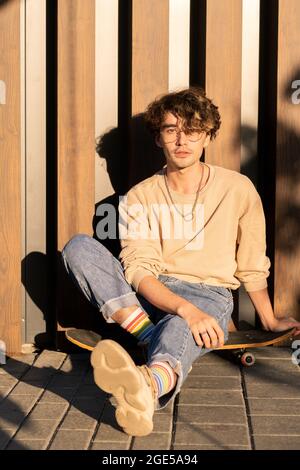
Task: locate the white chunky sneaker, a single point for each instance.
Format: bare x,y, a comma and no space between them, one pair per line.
132,386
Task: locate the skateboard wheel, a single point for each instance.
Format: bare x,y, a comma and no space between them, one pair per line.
247,359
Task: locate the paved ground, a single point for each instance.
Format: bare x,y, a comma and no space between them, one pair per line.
49,401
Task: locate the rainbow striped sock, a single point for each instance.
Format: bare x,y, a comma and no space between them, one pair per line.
139,325
164,376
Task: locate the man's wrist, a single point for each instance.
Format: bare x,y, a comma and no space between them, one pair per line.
185,308
269,323
181,308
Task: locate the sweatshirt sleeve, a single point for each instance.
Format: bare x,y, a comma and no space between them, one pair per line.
252,263
140,252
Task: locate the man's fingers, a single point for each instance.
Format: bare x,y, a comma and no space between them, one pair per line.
214,341
197,337
220,333
206,339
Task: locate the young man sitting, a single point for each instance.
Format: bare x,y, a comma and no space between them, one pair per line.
190,234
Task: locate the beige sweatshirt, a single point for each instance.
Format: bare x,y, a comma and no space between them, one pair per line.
224,245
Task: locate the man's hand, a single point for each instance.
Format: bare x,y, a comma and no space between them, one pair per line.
282,324
205,329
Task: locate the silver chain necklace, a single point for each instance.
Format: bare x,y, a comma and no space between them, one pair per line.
190,216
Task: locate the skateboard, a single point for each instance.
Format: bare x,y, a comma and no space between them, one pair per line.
246,338
237,344
85,339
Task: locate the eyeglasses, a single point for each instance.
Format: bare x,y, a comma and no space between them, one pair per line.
171,134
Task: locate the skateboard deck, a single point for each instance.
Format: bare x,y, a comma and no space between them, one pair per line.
238,341
85,339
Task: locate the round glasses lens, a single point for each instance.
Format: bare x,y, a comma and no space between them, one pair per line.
172,134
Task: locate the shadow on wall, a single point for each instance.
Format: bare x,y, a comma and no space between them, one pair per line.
129,161
281,203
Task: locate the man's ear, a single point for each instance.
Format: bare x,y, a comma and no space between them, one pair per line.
158,141
207,141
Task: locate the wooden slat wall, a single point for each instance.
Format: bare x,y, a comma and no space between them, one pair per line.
75,133
287,248
10,177
223,78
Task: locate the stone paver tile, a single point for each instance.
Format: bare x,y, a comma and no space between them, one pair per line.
109,432
209,447
16,361
110,445
5,436
220,383
58,395
154,441
87,405
215,370
277,442
219,434
278,390
80,357
211,414
7,381
38,374
272,370
17,404
211,397
74,367
49,411
276,425
89,378
71,440
210,358
168,409
79,421
50,359
37,429
274,406
27,444
273,353
23,388
11,420
162,423
4,392
90,391
66,380
109,429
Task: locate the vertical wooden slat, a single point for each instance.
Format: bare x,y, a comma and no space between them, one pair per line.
287,249
10,177
150,62
76,117
150,33
75,138
35,175
106,93
179,43
249,116
223,78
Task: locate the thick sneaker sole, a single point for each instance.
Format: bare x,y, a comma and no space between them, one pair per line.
116,373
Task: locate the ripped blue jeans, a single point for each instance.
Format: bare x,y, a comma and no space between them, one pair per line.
99,275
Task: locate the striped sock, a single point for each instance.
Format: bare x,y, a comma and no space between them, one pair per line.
164,376
139,325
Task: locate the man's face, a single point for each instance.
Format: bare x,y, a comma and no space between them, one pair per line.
181,150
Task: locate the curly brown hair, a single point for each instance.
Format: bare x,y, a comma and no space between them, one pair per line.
198,113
